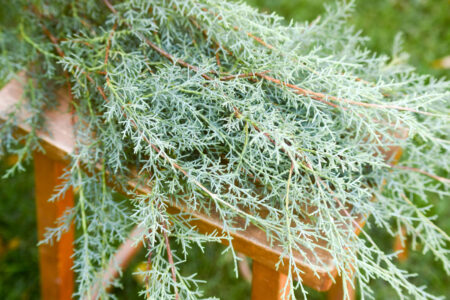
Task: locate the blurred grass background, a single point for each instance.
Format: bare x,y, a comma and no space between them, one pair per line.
425,25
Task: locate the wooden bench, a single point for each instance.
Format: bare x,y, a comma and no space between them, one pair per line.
57,279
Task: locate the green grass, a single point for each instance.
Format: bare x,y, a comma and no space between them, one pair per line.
424,24
427,38
19,278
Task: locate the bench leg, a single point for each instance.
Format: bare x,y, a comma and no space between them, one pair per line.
267,283
336,291
55,262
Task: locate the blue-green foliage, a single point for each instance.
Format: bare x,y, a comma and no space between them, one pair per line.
223,108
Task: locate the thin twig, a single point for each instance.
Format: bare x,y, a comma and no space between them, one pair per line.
159,50
321,97
170,257
173,59
108,43
54,40
435,177
245,75
298,90
149,266
425,217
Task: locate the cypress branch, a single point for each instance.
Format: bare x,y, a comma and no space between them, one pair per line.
221,107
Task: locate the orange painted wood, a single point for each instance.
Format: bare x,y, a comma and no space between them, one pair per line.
336,291
268,284
400,245
59,140
55,262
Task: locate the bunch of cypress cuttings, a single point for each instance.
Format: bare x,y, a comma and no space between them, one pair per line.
224,108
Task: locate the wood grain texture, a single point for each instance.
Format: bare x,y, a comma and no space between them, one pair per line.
55,261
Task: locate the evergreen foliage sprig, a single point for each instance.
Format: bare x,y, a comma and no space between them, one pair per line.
223,108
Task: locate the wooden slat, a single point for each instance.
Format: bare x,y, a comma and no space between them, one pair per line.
268,284
55,261
336,291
